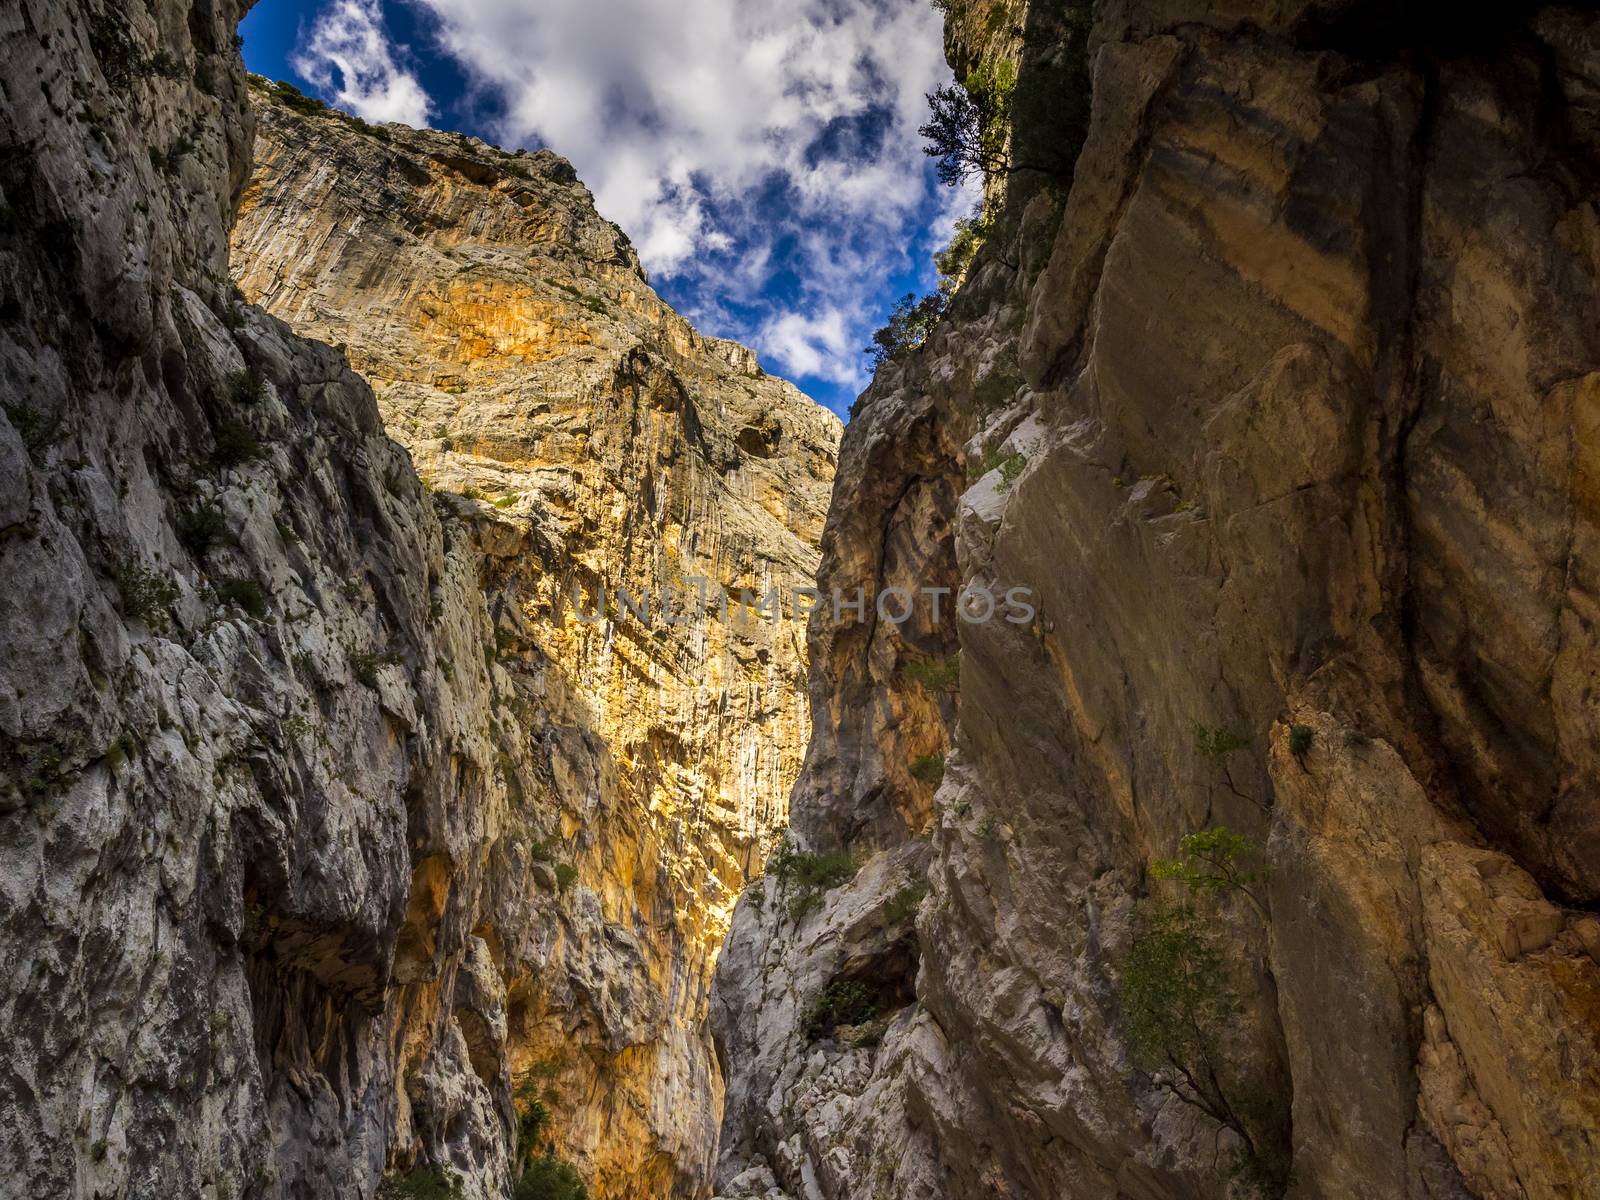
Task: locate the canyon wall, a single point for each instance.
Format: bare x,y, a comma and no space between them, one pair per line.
1283,398
601,447
329,842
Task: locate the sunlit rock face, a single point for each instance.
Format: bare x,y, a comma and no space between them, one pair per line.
598,444
1286,407
320,830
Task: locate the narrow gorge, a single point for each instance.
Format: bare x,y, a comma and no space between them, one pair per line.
349,850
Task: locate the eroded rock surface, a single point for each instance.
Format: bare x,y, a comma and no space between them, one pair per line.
600,445
319,829
1284,407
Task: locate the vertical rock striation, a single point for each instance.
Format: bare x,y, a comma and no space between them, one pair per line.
1284,405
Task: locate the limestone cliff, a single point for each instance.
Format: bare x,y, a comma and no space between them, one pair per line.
322,832
600,445
1284,401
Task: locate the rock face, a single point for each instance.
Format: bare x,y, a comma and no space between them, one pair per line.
600,446
1285,407
321,830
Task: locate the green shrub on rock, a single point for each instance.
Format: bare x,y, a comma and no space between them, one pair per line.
201,528
842,1002
422,1183
1180,1012
934,674
812,874
550,1178
146,595
929,769
236,445
245,594
909,326
247,386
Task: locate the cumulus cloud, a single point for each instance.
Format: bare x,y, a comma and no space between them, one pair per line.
821,345
762,154
348,57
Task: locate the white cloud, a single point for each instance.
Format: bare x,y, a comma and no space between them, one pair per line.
823,345
349,57
731,139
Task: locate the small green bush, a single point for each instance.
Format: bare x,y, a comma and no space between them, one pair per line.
549,1178
934,674
1174,989
998,388
928,769
566,876
114,47
146,595
1217,741
1011,469
812,874
842,1002
909,326
422,1183
813,870
246,386
245,594
541,1176
291,97
201,528
1009,465
905,902
164,64
1300,738
533,1115
1211,863
365,665
37,431
1179,1009
236,445
956,259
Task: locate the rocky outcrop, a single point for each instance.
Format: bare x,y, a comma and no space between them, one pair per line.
318,840
1282,406
599,445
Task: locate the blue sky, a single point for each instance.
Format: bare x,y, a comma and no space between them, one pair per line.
762,154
